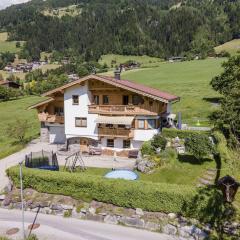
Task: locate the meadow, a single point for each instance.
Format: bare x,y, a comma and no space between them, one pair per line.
8,46
113,59
233,47
9,112
188,80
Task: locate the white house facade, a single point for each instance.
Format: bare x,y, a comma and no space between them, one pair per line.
113,114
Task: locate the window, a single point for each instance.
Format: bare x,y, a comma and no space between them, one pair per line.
110,142
136,100
141,123
126,143
109,125
151,123
96,99
80,122
121,126
105,99
75,99
150,103
125,100
59,111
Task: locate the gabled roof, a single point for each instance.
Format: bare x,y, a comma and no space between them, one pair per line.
124,84
41,103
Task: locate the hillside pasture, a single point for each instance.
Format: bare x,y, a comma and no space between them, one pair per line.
233,47
72,10
189,80
8,46
113,59
9,112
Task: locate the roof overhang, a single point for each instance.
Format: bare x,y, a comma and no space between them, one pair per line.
111,82
39,104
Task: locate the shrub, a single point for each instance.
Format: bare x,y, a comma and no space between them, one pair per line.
147,148
168,156
131,194
159,142
199,145
173,133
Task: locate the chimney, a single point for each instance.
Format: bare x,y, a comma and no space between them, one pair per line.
117,74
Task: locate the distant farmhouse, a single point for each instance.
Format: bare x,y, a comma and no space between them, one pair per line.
24,67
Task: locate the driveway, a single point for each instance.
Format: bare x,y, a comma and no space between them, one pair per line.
56,227
17,157
36,146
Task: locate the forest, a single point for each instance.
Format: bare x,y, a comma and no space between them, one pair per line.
159,28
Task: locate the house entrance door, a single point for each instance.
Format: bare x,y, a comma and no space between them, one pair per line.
84,143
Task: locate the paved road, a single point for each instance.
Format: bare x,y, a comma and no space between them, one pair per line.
56,227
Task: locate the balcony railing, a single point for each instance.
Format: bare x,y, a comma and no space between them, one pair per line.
119,110
115,132
50,118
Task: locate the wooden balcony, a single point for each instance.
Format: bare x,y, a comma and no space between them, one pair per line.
50,118
115,132
119,110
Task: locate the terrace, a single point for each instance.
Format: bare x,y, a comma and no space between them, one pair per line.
119,110
50,118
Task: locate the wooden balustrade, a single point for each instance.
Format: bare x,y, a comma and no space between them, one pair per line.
119,110
115,132
50,118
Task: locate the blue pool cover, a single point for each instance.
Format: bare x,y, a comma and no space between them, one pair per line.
122,174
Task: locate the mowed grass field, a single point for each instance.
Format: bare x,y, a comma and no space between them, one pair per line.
188,80
233,47
112,60
9,112
8,46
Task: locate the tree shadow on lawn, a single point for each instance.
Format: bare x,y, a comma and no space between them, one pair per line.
187,158
208,206
214,100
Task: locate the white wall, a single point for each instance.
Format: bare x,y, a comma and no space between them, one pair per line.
118,144
136,144
57,134
144,135
71,111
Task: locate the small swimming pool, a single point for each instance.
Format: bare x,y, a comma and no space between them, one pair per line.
122,174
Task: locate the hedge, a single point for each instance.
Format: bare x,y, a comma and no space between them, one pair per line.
131,194
172,133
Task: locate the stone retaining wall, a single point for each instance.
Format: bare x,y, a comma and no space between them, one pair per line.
171,223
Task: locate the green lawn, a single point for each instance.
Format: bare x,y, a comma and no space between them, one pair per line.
177,173
9,112
145,61
189,80
233,47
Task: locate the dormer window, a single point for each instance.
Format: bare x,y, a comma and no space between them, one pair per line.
75,99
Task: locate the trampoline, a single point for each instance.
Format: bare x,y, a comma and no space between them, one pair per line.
42,160
122,174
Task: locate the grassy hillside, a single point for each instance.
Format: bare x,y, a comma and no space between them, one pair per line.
145,61
9,112
232,47
8,46
189,80
72,10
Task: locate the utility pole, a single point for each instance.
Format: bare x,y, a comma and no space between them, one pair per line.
21,187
